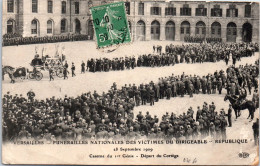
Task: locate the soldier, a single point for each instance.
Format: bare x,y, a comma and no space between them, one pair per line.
151,96
191,89
51,74
256,131
65,73
219,85
229,115
255,98
83,67
73,70
31,95
223,126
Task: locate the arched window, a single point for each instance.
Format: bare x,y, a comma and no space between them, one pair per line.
10,26
155,30
140,31
170,30
34,26
200,28
216,29
49,26
63,26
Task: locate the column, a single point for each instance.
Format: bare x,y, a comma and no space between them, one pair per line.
177,31
148,31
239,34
192,28
223,31
162,32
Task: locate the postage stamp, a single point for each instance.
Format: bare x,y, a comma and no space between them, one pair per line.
110,24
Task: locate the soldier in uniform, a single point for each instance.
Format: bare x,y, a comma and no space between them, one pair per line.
256,131
229,115
83,67
51,74
31,95
73,70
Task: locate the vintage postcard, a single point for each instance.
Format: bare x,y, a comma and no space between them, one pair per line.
130,82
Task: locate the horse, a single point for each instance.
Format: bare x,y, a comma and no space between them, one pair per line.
13,73
238,107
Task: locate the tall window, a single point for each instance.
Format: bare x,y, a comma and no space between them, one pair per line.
34,27
141,8
34,6
155,11
201,11
232,11
216,11
247,10
127,7
63,26
63,7
10,6
185,10
50,6
76,7
49,26
170,11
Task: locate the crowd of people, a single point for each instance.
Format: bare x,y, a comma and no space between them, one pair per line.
11,40
201,39
105,64
174,54
110,115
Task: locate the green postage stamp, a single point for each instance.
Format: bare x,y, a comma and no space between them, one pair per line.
110,24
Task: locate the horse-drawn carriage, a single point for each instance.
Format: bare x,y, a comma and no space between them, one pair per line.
38,64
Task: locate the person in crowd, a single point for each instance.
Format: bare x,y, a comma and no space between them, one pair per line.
73,68
256,131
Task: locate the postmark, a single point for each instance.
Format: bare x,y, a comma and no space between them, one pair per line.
110,25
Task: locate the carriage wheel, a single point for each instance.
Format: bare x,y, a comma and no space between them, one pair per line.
31,76
38,76
59,72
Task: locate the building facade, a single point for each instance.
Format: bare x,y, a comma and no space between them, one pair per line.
148,20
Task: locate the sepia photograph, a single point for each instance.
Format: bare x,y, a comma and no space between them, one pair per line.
130,82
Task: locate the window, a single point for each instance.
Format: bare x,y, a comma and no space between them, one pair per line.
188,30
155,11
232,11
50,6
10,6
216,28
185,10
10,26
212,31
63,26
170,11
247,10
201,11
182,30
127,7
34,6
197,30
219,31
34,27
141,8
76,7
63,7
157,30
216,11
49,26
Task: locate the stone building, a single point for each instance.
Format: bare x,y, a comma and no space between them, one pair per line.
148,20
